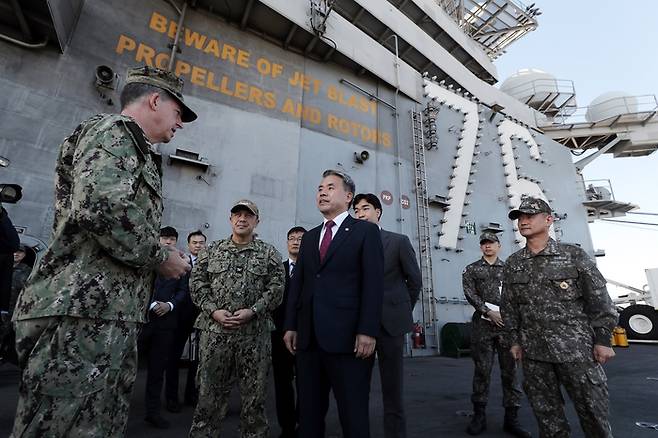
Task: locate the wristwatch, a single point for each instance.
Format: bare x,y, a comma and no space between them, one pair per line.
253,309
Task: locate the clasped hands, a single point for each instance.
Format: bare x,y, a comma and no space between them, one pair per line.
161,308
233,320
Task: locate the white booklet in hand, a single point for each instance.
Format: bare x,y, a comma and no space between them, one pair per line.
493,307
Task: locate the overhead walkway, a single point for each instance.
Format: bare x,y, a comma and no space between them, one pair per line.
494,24
631,121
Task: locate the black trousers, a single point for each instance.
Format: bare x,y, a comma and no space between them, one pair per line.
318,373
283,370
181,336
154,345
389,357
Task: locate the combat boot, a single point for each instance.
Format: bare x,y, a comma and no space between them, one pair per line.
512,425
478,423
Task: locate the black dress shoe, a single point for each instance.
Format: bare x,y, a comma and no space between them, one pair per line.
173,406
157,421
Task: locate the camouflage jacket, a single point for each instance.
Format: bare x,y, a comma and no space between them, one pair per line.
555,303
105,241
18,279
231,278
481,282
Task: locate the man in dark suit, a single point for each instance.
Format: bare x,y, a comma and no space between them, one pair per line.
402,284
9,244
334,312
187,314
283,363
157,335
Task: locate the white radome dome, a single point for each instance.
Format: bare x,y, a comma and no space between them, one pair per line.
611,104
529,82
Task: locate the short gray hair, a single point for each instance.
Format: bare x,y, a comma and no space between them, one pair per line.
135,90
348,183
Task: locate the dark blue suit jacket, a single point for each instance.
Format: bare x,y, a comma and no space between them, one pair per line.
341,297
173,291
279,314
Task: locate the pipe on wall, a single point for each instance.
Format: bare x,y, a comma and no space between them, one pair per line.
174,48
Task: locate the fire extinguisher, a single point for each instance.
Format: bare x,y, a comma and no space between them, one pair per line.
418,335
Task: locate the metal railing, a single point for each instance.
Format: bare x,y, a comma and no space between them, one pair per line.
616,110
552,97
593,191
495,24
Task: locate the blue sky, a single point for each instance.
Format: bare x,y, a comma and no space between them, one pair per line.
604,46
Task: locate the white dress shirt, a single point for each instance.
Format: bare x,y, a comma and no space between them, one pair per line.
338,220
192,259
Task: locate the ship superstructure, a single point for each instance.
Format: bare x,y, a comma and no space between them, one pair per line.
400,94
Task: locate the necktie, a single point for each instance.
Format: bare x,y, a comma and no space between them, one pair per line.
292,269
326,239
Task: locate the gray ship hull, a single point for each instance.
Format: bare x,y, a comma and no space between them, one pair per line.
270,121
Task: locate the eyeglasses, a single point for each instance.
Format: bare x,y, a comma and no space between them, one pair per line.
294,239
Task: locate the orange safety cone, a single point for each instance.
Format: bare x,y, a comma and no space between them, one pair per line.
619,337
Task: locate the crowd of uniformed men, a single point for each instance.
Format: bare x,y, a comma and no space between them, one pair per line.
112,279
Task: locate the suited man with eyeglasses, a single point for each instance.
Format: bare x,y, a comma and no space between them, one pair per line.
283,362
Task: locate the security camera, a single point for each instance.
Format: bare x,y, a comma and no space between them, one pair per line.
360,157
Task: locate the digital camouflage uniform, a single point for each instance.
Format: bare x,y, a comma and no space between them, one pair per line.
556,306
232,278
77,320
481,282
18,279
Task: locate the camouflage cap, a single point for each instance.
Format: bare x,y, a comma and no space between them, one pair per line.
530,205
166,80
488,236
245,204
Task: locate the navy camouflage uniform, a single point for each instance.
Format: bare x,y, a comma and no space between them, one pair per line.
78,318
231,277
557,307
481,282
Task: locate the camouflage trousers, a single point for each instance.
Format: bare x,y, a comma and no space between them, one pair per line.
77,377
486,341
225,359
586,385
